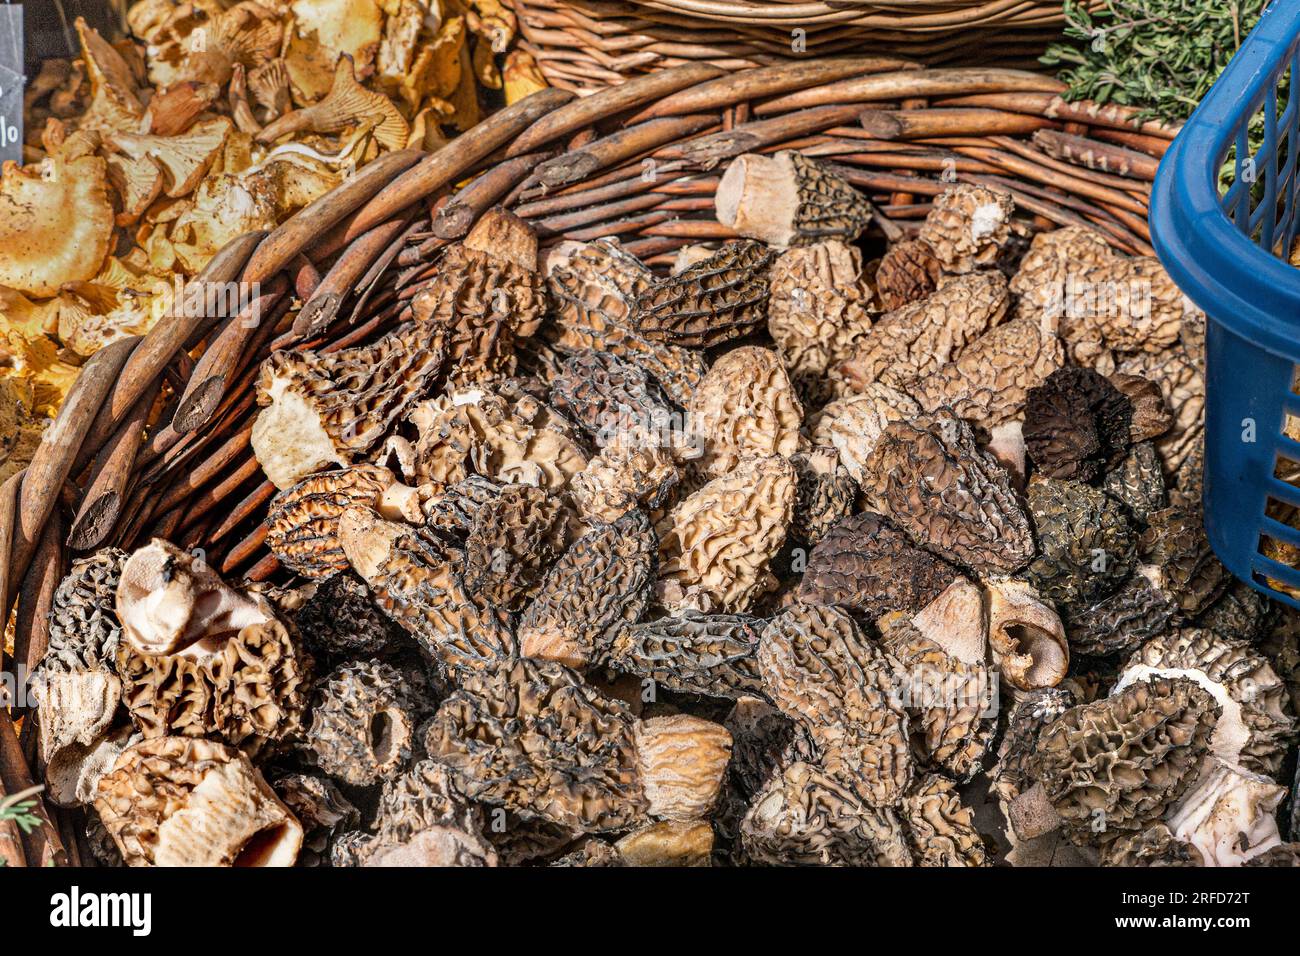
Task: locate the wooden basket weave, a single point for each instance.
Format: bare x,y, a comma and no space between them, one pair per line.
584,45
640,161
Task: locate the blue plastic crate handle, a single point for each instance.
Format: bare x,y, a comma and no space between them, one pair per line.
1220,251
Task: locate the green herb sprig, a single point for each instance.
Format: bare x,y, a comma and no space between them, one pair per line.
1160,56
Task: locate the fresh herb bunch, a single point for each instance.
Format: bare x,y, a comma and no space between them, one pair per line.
1160,56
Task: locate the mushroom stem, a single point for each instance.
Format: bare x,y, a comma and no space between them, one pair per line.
1026,635
1031,813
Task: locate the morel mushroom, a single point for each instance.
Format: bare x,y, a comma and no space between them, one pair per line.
693,653
600,585
1031,714
1076,424
322,810
303,520
826,494
720,541
1183,565
682,762
330,408
1138,482
919,339
787,199
75,684
1087,547
714,301
635,469
533,738
969,227
1116,765
506,437
175,801
1026,636
513,541
419,583
745,407
249,689
169,600
362,724
818,312
339,619
908,272
988,383
807,816
940,829
487,292
951,702
820,671
853,425
867,565
947,495
1256,725
1120,622
608,395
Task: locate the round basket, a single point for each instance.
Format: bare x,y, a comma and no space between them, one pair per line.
153,441
583,45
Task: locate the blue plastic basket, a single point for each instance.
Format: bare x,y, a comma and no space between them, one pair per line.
1226,249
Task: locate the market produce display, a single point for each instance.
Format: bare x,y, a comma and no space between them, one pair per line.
794,467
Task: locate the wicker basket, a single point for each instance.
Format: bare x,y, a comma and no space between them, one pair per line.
577,169
584,45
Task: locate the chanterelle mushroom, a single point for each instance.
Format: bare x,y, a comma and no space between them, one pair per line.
56,220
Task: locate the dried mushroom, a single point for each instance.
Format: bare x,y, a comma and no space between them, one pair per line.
682,763
820,308
1116,765
169,600
1229,817
806,816
592,289
950,498
532,738
509,438
322,810
1076,424
1120,622
744,407
716,551
608,395
826,493
787,199
363,723
1241,613
853,425
669,843
249,689
175,801
303,519
907,273
950,701
1153,846
1183,566
513,541
693,653
1138,482
75,684
940,829
42,243
487,292
989,382
1152,417
1030,714
716,300
869,566
1256,726
1182,383
339,619
635,469
1086,545
920,338
1026,636
969,227
329,408
419,583
599,586
820,670
451,512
